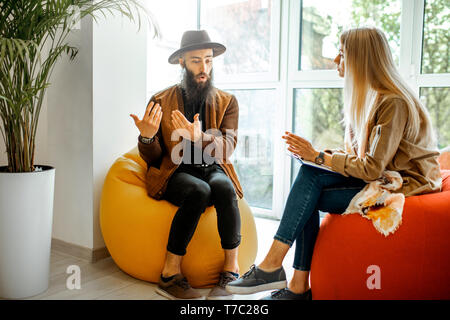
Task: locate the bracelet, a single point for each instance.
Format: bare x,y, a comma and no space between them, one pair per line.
146,140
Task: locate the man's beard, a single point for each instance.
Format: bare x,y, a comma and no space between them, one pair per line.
197,92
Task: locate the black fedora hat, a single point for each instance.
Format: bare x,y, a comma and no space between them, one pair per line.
195,40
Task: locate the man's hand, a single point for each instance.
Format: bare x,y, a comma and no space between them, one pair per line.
300,147
149,125
186,129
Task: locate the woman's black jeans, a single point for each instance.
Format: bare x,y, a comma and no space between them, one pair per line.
193,189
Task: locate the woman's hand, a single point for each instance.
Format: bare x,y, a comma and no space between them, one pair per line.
149,125
300,146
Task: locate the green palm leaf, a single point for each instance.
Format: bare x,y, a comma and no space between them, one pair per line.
26,28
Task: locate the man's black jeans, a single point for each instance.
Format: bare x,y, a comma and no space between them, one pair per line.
193,189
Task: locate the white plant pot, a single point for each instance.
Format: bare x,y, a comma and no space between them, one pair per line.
26,216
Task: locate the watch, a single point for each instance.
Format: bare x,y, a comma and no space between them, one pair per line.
146,140
320,158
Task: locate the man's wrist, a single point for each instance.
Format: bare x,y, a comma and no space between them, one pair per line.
146,140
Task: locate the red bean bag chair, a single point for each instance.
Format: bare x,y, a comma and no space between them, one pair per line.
444,159
352,260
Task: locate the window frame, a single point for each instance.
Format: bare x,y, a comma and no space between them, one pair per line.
285,78
411,40
258,77
277,199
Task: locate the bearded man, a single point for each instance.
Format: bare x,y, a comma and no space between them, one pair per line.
205,119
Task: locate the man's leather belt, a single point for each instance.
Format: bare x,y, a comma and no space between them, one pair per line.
203,165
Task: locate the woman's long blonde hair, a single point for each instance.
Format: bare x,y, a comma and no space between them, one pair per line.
370,78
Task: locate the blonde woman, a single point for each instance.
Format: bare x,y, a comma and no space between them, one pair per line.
387,128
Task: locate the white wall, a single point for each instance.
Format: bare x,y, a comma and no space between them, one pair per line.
119,83
88,125
70,123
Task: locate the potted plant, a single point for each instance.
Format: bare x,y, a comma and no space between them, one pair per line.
32,39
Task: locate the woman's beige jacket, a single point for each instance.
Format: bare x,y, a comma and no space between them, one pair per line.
388,149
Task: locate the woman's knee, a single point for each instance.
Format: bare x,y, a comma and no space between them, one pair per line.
305,174
308,171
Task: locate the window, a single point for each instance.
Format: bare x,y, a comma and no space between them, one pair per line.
318,115
318,118
249,30
253,156
436,37
434,75
322,22
161,74
437,101
279,65
244,26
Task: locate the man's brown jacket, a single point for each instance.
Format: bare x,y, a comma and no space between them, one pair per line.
222,114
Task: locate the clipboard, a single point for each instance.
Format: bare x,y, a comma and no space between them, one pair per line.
311,164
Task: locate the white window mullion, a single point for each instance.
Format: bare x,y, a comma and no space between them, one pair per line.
286,160
284,108
272,74
416,43
275,36
424,80
316,84
434,80
294,39
407,68
246,85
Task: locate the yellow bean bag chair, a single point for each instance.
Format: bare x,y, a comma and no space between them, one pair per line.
136,228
